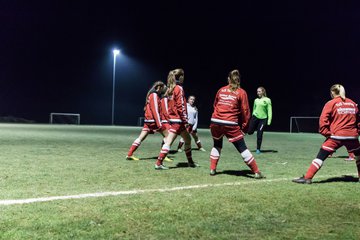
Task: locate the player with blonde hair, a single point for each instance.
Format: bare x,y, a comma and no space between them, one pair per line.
339,123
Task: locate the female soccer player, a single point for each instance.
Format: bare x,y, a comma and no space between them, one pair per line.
193,122
177,117
340,124
231,118
262,115
152,121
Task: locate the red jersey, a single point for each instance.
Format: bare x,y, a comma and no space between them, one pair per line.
340,119
177,106
164,110
231,108
152,109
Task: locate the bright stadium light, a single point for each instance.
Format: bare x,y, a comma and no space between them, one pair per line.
115,53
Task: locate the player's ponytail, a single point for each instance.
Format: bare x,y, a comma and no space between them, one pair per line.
153,89
175,77
338,90
234,80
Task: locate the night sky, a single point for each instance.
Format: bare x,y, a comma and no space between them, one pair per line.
56,56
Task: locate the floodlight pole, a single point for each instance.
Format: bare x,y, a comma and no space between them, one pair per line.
115,53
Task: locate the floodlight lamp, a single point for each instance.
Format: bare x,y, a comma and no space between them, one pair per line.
116,52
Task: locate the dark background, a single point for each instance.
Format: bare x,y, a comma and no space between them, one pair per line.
56,56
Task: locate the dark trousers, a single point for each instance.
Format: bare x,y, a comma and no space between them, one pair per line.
258,125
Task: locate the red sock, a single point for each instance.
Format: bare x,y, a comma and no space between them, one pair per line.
252,165
250,161
163,153
314,168
198,143
134,146
189,155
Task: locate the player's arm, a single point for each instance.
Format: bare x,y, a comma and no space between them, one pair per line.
245,112
181,105
195,121
155,109
324,121
269,112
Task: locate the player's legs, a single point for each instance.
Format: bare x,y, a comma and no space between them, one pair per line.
351,156
136,144
180,145
353,147
197,141
215,155
247,157
187,147
253,125
217,133
328,147
165,150
259,133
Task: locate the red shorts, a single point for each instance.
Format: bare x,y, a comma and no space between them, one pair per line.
177,128
151,128
233,133
331,145
166,126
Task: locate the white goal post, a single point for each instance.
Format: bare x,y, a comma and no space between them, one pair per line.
64,118
294,119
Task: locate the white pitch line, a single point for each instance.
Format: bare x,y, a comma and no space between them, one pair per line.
134,192
130,192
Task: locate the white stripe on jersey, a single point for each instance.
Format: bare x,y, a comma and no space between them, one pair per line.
157,108
223,121
342,137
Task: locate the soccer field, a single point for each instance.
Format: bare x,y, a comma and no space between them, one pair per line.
73,182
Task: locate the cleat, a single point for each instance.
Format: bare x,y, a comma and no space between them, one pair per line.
351,157
167,159
202,149
258,151
302,180
132,158
193,165
179,150
212,172
160,167
259,175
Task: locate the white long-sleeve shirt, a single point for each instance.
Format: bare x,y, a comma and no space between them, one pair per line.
192,116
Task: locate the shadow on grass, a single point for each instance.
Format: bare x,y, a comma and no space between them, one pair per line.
175,151
267,151
344,178
345,157
181,165
242,173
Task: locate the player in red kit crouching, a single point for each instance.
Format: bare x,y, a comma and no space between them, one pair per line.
340,124
177,117
231,119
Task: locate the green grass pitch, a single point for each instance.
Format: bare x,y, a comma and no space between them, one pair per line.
41,161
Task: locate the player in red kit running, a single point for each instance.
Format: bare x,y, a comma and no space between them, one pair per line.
340,124
152,122
177,117
231,119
